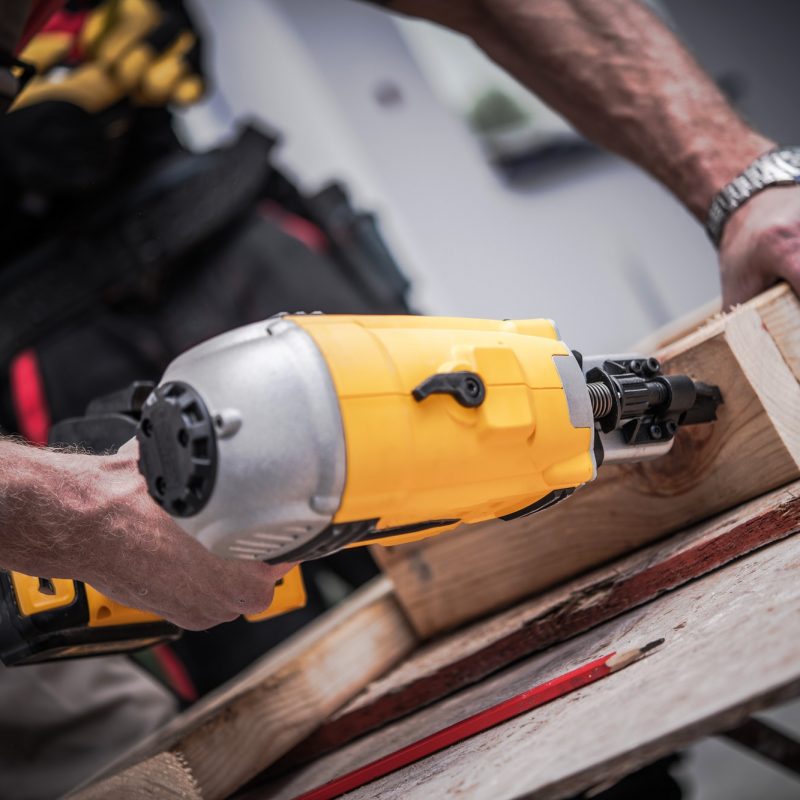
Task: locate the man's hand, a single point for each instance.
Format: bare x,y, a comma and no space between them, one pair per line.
65,515
761,245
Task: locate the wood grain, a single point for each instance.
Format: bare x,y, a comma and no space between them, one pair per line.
754,447
165,777
729,651
237,731
461,659
779,308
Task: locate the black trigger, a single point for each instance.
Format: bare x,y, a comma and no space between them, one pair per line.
467,388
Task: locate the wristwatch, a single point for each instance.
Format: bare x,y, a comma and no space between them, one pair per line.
778,167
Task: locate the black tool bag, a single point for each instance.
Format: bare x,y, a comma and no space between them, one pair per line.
114,297
121,248
354,241
131,247
182,255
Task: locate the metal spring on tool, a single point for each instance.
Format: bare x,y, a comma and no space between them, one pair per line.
601,399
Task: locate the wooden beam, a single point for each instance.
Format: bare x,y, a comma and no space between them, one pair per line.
754,447
237,731
164,777
779,309
679,328
729,652
445,666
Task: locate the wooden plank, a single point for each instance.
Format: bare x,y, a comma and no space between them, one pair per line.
164,777
679,328
237,731
531,698
730,650
461,659
754,447
779,308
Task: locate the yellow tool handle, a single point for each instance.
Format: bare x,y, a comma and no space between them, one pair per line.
40,595
46,619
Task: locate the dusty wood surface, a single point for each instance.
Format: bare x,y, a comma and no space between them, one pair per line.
754,447
166,777
731,649
237,731
467,656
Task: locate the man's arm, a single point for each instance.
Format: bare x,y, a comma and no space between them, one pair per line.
620,76
89,517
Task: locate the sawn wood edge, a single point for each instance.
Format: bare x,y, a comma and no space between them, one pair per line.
463,658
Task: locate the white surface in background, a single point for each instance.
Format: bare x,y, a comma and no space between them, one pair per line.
566,250
601,249
459,72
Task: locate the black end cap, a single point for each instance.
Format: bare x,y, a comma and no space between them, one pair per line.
177,449
709,399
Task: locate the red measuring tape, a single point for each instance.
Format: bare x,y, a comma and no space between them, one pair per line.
477,723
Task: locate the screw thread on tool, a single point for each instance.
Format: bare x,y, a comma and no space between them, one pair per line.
601,399
659,393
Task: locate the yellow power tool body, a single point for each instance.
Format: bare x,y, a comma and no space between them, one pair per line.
291,438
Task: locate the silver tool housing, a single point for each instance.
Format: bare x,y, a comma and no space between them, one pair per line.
280,447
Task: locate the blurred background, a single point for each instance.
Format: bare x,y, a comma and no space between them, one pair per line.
491,203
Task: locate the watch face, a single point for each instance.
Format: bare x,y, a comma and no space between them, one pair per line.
791,156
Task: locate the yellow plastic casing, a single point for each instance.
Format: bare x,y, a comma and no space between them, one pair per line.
61,593
408,462
32,600
290,594
105,612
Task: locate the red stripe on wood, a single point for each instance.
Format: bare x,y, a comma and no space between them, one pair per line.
576,608
477,723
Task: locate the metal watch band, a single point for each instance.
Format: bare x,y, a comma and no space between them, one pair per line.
778,167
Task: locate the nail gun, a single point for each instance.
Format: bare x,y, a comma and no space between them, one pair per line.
292,438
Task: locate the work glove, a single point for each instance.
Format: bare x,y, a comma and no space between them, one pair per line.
144,51
99,65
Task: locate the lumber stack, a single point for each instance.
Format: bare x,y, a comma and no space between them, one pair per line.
461,659
753,354
365,663
237,731
726,654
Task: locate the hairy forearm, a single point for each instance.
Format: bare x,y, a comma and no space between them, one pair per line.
70,515
46,505
621,77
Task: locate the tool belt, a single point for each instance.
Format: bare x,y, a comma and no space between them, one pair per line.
131,246
355,241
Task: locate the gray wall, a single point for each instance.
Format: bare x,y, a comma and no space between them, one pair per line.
757,44
599,247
